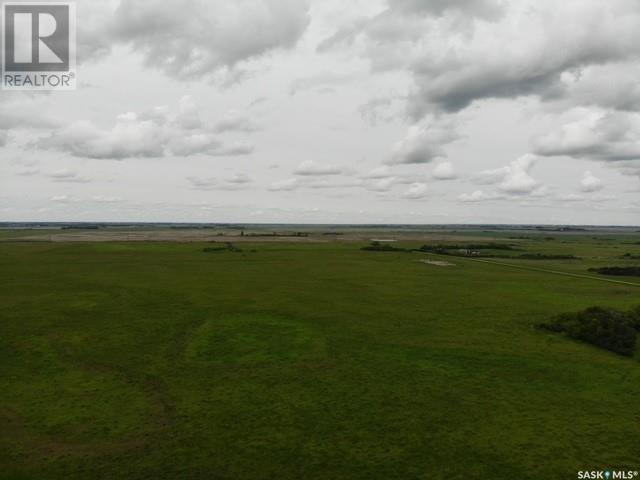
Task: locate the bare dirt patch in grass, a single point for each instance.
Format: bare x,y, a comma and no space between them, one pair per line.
438,263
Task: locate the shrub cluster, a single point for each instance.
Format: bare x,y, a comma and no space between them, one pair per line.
544,256
454,250
228,247
472,246
473,249
606,328
382,247
618,271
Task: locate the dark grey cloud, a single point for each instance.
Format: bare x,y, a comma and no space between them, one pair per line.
521,49
511,61
192,38
480,8
630,168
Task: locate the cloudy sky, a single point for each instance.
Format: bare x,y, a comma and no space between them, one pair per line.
326,111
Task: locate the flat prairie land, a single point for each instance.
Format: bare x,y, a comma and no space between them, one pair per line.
308,360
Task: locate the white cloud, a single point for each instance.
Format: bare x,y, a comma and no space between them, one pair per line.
235,121
28,171
517,179
323,79
105,199
237,181
61,199
200,183
182,145
594,134
156,133
424,143
24,110
380,109
584,87
381,185
67,176
416,191
590,183
285,185
378,173
513,179
333,183
576,198
444,171
311,168
478,196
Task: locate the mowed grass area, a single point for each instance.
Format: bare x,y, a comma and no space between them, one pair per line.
159,361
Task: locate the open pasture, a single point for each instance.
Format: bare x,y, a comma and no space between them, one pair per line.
306,360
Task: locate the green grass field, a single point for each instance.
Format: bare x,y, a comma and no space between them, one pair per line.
314,361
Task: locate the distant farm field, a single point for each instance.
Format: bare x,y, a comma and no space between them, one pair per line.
307,361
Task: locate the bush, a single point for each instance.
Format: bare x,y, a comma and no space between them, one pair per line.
603,327
618,271
381,247
229,247
543,256
471,246
634,317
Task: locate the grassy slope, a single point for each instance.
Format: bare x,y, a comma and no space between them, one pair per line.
302,361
